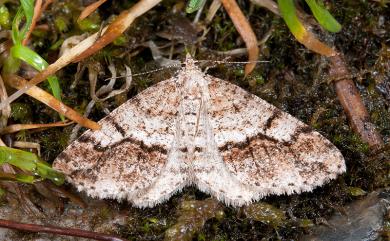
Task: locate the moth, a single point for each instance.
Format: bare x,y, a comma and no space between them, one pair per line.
195,129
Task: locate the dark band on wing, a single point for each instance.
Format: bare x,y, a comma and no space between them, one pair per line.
275,115
117,126
65,157
247,142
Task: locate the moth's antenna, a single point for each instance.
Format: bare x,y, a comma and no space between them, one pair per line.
179,65
147,72
232,62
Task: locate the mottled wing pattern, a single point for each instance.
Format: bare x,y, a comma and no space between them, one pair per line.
267,150
125,159
197,129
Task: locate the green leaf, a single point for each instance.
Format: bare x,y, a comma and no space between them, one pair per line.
287,10
35,60
26,10
194,5
44,170
323,16
29,162
17,35
29,56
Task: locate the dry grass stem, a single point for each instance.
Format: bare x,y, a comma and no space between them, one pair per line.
49,100
243,27
18,127
90,9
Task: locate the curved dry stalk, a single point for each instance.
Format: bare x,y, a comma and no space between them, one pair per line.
58,230
243,51
105,89
90,9
6,111
268,4
215,5
88,46
49,100
18,127
108,89
243,27
46,4
27,145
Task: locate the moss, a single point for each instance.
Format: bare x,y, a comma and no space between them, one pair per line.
21,112
264,212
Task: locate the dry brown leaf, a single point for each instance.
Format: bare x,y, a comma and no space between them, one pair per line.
243,27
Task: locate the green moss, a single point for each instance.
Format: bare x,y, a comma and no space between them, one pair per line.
356,191
5,20
264,212
90,24
21,112
61,23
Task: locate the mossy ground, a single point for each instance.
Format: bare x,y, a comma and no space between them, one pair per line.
294,80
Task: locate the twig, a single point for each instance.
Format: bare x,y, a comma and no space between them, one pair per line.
58,230
352,103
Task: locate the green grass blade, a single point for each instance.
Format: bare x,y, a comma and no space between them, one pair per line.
29,56
287,10
35,60
194,5
323,16
28,9
29,162
16,34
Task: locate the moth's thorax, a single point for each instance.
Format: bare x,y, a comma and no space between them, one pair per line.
194,98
